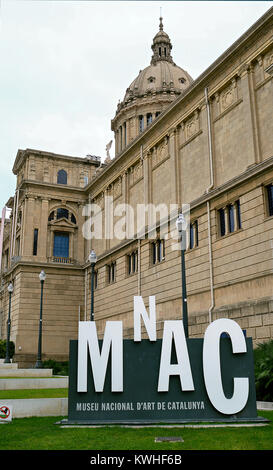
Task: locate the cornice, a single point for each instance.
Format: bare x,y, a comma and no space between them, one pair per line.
23,154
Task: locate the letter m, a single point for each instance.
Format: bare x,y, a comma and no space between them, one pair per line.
88,342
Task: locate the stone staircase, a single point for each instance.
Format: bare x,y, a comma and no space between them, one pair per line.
11,370
12,378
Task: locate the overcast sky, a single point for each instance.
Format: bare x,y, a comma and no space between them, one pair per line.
65,65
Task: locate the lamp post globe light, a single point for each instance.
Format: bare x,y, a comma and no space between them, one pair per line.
93,260
10,291
181,228
38,365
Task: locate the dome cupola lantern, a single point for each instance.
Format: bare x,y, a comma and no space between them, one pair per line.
161,46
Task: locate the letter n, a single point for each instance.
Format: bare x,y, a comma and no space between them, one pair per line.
149,322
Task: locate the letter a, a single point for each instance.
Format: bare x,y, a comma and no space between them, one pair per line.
174,330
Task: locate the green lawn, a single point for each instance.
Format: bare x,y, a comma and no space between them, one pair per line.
34,393
44,434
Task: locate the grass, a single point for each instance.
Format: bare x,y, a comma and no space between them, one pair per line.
44,434
34,393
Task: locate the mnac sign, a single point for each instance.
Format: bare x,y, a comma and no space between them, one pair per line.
173,379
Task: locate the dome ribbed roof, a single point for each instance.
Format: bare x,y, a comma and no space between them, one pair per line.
161,76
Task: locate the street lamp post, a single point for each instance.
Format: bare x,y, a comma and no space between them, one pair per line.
181,232
38,364
93,260
7,359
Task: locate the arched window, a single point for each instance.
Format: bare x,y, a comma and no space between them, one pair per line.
62,177
62,213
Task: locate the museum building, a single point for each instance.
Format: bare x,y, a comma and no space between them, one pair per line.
206,144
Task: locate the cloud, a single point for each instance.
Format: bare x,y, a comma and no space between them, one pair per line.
65,65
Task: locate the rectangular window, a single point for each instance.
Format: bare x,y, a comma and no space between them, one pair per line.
238,213
158,251
35,242
233,221
191,236
222,222
231,218
269,189
125,134
149,119
194,234
121,138
132,260
6,259
141,123
111,268
61,245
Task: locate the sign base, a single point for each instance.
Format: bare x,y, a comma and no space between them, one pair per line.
141,403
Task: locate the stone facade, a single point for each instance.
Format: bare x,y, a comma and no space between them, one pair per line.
211,147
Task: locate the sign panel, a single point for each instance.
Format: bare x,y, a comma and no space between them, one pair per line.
173,379
140,400
5,413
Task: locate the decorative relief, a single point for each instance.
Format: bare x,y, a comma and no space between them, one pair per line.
117,188
189,128
99,200
192,125
268,59
136,173
32,169
228,96
46,176
160,152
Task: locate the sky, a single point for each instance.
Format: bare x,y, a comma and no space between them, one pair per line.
64,65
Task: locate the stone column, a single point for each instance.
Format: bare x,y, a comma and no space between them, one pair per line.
173,166
226,219
147,177
42,234
27,248
250,114
79,255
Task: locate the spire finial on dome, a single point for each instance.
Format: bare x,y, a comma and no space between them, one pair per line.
160,21
161,46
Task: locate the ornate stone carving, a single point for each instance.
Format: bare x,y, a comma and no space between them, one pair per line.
117,188
136,173
192,125
161,152
228,96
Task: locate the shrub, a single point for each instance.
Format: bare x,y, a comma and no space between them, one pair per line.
3,347
263,364
59,368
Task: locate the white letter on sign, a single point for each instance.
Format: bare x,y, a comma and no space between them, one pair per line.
150,323
212,366
112,336
174,329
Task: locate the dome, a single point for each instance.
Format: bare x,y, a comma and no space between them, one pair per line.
161,76
155,87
